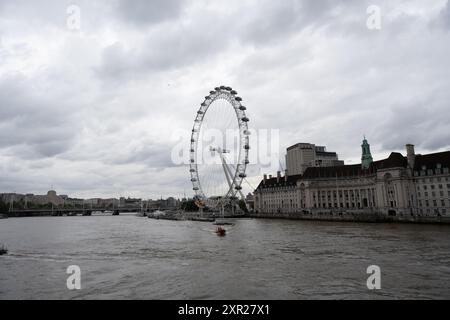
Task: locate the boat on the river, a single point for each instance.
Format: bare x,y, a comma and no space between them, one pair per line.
221,232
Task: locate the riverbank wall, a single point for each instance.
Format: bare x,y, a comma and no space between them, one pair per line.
354,217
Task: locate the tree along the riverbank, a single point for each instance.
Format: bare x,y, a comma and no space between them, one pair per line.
4,208
189,206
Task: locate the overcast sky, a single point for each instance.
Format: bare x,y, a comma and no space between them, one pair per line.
91,112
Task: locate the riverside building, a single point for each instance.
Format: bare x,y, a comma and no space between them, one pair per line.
411,185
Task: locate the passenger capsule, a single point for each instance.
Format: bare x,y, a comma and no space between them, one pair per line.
242,108
245,119
238,99
233,92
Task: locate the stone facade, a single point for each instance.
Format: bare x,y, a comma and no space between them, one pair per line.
416,185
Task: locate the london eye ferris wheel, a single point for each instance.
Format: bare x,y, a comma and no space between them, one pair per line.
219,148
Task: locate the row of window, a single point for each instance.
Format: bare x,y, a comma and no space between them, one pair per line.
341,193
280,196
430,172
347,205
433,194
432,180
272,205
435,211
442,203
278,189
432,187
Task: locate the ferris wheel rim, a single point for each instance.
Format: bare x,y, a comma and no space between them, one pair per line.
230,95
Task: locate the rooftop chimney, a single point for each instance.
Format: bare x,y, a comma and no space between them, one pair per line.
410,155
270,176
285,175
278,176
265,178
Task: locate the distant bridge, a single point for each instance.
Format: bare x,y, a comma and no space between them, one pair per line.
61,212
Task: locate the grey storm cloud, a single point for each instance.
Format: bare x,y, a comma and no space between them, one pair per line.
446,15
92,111
169,53
165,48
150,154
276,21
181,44
423,123
144,12
33,125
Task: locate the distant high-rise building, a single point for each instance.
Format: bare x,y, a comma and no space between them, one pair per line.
301,156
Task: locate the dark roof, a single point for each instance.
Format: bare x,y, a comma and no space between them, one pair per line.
431,160
395,160
291,181
337,171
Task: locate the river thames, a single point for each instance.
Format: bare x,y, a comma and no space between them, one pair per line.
129,257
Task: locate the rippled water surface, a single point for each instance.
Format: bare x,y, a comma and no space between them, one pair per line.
130,257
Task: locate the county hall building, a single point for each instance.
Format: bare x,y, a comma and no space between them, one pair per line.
316,182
